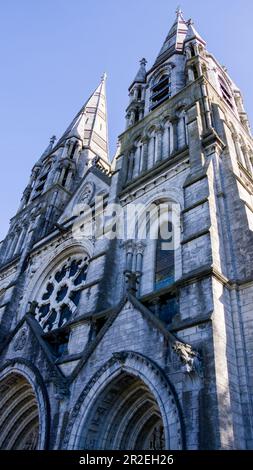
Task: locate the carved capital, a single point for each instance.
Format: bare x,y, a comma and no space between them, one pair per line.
129,245
235,137
140,247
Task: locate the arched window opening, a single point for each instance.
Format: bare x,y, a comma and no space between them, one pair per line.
161,91
226,93
165,257
72,153
19,414
41,181
204,70
139,93
192,50
65,176
136,115
195,72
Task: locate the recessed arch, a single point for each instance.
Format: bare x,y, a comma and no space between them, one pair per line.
24,408
127,403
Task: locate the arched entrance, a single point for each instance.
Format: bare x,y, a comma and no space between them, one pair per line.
127,404
124,416
19,414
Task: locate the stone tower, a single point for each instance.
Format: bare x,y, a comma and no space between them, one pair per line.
136,342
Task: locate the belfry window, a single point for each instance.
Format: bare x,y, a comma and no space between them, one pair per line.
195,72
72,153
136,115
192,50
160,91
165,262
65,176
61,292
226,93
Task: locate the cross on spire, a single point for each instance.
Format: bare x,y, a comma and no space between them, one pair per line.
179,11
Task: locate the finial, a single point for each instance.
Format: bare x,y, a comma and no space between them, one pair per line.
53,139
178,11
104,77
143,62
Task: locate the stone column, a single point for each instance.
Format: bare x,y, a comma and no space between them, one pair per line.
127,120
199,68
190,74
25,197
167,142
140,158
188,52
57,174
246,157
132,118
159,136
245,122
20,241
140,247
174,123
14,243
196,49
130,164
154,145
238,149
194,126
136,159
145,141
129,244
8,247
206,104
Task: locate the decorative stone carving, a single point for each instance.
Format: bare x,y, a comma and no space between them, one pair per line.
60,293
87,193
189,358
20,340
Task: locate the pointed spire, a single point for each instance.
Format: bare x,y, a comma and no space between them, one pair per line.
178,11
193,34
141,74
175,38
90,124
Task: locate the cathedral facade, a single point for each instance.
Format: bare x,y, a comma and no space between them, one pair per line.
113,339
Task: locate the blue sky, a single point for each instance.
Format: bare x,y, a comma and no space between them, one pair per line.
53,53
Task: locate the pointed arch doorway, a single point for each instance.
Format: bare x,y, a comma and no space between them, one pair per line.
19,414
128,404
126,416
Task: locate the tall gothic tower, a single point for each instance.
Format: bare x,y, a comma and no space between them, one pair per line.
117,342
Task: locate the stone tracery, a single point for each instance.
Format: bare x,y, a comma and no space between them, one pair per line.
60,293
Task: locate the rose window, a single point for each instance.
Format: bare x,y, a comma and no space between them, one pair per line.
60,294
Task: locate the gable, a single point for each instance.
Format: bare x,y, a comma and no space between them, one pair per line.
90,187
128,329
